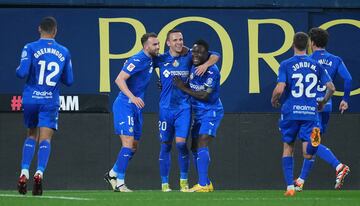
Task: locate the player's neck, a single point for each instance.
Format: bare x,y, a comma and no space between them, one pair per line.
173,53
315,48
47,36
297,52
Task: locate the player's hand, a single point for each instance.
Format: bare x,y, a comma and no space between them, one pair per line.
275,103
201,69
138,102
343,106
178,82
159,85
321,105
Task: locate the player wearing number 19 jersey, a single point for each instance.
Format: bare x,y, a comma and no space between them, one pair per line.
298,79
45,64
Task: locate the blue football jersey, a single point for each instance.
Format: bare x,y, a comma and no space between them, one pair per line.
301,75
334,66
211,79
45,63
140,68
171,97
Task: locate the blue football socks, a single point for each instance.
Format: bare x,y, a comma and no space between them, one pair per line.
165,161
306,167
183,159
43,155
122,162
326,154
288,169
203,162
28,153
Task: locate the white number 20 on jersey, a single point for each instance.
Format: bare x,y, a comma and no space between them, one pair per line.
299,90
51,66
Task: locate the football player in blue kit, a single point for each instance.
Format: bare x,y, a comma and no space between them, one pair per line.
175,108
298,79
335,67
44,63
207,109
132,81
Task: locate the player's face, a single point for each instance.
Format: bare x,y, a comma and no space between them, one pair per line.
175,42
152,46
199,55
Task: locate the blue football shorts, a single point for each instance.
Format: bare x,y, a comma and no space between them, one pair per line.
206,122
291,129
41,115
174,123
128,118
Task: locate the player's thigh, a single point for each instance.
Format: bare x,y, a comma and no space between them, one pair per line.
211,122
182,123
166,125
48,116
289,130
31,115
123,117
306,129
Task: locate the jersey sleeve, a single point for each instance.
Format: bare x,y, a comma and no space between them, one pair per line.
67,76
324,75
212,77
214,53
25,63
131,66
344,73
282,73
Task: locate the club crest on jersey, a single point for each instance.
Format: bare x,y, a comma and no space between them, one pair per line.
130,67
166,73
175,63
131,129
209,81
23,54
192,76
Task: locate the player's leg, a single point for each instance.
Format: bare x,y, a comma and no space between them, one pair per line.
328,156
48,123
314,132
182,126
31,121
208,127
166,130
289,130
124,117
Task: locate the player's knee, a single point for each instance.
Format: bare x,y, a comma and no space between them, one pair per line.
182,148
204,141
165,147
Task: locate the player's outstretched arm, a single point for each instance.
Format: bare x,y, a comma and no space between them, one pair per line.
200,95
278,90
344,73
121,83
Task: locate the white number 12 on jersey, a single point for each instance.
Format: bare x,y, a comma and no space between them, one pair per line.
52,66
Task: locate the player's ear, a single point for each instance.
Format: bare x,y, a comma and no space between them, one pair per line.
39,29
168,43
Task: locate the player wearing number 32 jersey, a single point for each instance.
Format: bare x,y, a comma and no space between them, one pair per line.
44,63
298,79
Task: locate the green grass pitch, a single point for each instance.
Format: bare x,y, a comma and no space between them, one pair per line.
157,198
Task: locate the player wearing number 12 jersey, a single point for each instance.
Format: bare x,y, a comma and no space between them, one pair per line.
298,79
45,64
